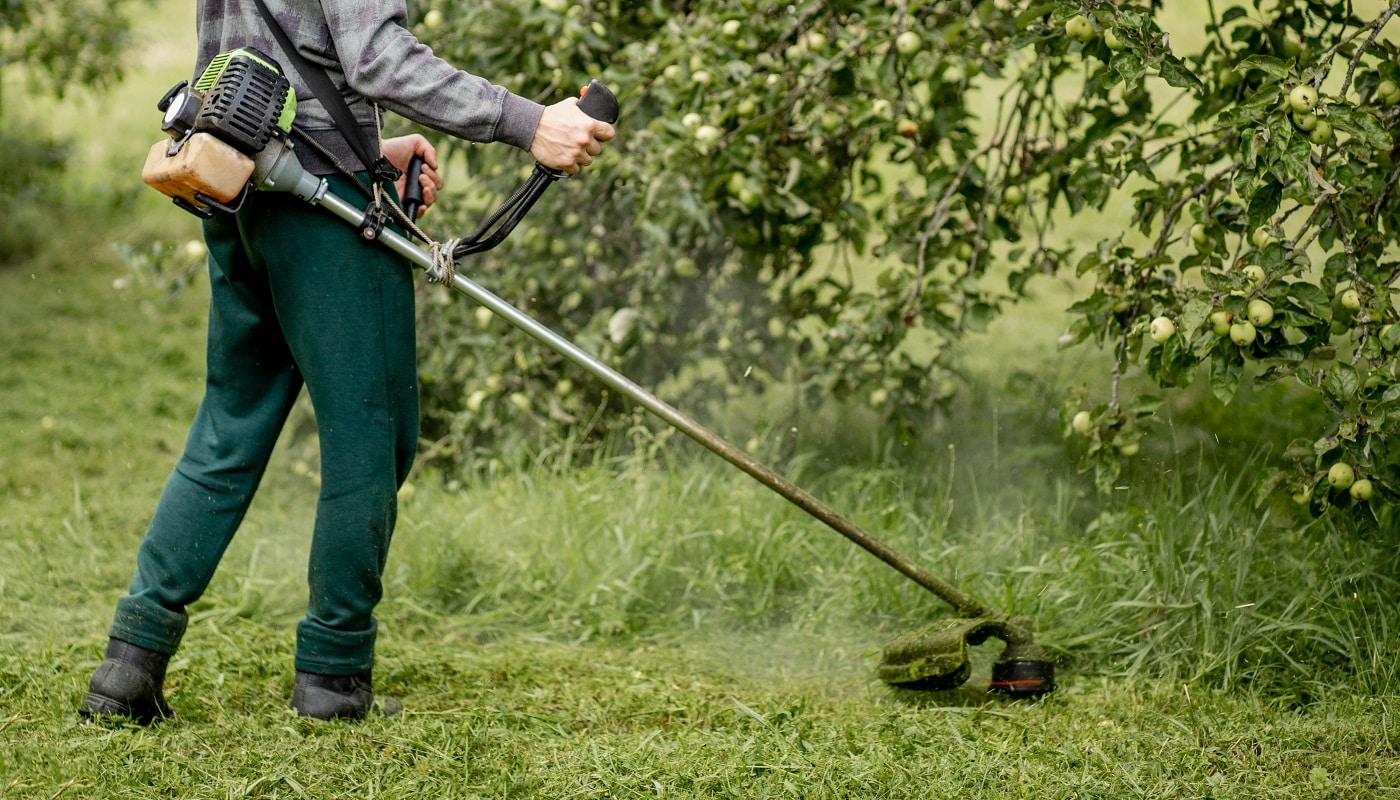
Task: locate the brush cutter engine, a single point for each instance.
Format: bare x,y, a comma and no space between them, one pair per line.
240,105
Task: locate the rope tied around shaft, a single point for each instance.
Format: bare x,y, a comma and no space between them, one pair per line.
444,268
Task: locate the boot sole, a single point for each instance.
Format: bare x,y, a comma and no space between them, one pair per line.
99,705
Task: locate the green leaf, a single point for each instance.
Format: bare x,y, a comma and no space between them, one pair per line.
1144,405
1342,381
1296,156
1025,18
1311,299
1325,445
1360,123
1275,68
1263,203
1226,370
1194,314
1175,73
1130,67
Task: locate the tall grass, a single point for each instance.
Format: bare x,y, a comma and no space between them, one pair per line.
1172,581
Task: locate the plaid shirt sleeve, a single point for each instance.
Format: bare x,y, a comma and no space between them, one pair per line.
366,48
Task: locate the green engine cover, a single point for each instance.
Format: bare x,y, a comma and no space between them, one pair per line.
246,99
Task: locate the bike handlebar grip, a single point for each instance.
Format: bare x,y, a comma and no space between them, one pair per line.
599,102
413,190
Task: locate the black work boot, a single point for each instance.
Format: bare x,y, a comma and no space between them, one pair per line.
338,697
128,683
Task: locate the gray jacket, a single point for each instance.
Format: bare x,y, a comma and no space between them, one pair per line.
366,48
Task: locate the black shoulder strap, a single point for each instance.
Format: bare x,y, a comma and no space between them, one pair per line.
326,91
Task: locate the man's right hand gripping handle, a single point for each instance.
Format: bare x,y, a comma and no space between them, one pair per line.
566,140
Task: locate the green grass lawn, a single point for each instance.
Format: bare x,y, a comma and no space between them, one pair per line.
659,625
664,626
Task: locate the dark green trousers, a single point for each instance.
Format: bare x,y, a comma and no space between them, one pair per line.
296,298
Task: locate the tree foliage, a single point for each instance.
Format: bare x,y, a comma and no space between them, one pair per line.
65,43
767,150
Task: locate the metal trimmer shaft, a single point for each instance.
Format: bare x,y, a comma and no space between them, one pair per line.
962,601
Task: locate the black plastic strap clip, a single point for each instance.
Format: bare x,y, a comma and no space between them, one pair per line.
373,223
384,170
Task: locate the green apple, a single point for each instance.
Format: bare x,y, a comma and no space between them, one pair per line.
1111,40
1253,273
621,325
882,108
432,19
700,77
908,43
1322,134
732,27
1262,238
673,72
1260,313
1362,490
1161,329
1302,98
1220,322
1079,28
1129,448
692,120
1013,196
1200,237
684,267
475,399
907,128
1350,300
483,316
707,134
1341,475
1243,333
1305,121
1387,92
1082,423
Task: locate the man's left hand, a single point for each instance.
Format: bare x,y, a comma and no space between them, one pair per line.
400,150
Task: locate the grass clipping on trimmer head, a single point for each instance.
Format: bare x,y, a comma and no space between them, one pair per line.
936,657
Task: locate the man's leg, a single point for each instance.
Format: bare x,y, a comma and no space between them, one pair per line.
346,308
251,385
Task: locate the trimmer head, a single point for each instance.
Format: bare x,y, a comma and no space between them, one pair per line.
936,657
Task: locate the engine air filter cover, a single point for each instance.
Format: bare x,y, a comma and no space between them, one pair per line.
245,100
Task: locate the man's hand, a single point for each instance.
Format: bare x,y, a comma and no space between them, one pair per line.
567,139
400,151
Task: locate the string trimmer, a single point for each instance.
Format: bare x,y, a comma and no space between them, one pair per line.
230,134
